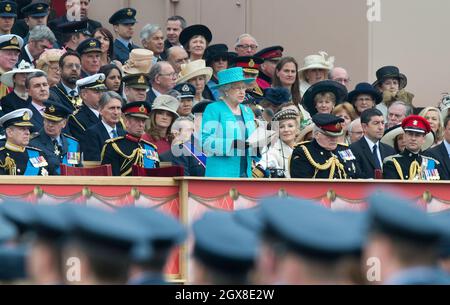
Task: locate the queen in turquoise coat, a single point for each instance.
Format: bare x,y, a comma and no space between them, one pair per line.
226,125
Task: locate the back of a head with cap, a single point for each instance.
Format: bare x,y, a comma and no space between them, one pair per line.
225,248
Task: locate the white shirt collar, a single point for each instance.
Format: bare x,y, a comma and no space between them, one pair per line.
372,144
38,107
109,129
69,89
97,114
157,93
28,53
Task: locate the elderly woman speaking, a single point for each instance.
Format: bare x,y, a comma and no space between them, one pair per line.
226,126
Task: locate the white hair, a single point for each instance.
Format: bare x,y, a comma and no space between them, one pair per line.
148,31
242,36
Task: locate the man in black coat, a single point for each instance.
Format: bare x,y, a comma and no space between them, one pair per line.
66,90
124,25
369,151
442,151
91,89
108,128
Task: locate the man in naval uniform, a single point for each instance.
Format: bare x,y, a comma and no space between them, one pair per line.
411,164
124,152
59,147
323,157
16,158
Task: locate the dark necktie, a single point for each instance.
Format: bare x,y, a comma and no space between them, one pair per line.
72,93
375,156
114,133
130,46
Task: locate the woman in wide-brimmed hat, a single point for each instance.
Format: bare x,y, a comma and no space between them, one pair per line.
18,98
315,69
49,63
323,96
197,74
226,126
391,83
365,96
162,116
195,39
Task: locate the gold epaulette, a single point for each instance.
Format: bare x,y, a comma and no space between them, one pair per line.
301,143
154,146
391,158
70,137
76,120
114,139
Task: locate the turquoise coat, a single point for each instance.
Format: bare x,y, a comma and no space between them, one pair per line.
219,130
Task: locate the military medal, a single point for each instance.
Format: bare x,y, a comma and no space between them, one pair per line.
56,151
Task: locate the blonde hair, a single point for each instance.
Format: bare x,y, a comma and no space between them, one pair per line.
347,107
440,131
326,95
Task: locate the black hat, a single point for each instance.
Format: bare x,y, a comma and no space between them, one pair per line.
329,124
336,88
193,30
250,64
137,109
286,114
270,53
138,81
20,117
75,27
89,45
365,88
55,111
8,9
390,72
216,51
35,9
237,255
277,96
201,106
186,90
123,16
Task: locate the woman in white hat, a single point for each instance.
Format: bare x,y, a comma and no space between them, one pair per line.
226,126
197,74
49,63
15,78
164,113
315,69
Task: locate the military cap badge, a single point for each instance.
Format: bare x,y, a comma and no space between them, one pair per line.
8,7
141,80
142,109
51,108
26,116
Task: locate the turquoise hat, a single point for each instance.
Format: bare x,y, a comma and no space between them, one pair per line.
232,75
